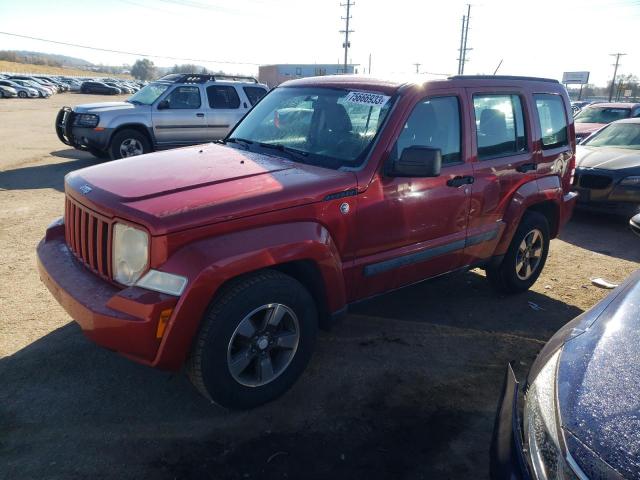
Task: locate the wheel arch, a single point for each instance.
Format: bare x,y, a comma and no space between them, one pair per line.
303,250
137,126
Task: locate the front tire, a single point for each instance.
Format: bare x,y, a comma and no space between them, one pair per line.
128,143
525,258
22,94
255,341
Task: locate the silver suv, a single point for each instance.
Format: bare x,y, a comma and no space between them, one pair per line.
176,110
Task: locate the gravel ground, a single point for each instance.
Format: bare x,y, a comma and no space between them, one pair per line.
405,387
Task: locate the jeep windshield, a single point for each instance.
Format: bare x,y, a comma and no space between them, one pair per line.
327,127
148,94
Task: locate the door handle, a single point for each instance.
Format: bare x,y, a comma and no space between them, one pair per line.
527,167
200,115
460,181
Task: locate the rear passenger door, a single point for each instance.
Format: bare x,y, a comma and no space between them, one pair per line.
183,120
225,110
503,161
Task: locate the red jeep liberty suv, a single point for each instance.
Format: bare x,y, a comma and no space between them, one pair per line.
229,256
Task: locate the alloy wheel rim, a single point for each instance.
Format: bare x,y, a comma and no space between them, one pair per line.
130,148
263,345
529,254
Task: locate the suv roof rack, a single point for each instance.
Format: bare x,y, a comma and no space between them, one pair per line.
204,78
501,77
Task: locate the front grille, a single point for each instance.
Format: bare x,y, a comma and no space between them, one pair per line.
597,182
88,235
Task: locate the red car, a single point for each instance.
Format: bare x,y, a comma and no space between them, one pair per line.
229,256
595,116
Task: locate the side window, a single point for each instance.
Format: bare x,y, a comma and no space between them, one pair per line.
223,97
434,122
254,94
553,120
186,97
500,128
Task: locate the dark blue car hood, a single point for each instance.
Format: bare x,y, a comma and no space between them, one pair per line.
599,386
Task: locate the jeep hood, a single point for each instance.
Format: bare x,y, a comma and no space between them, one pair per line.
97,108
188,187
607,158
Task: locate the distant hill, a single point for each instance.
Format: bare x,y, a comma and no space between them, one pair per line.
39,58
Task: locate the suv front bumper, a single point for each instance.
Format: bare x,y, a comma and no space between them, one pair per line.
82,138
120,319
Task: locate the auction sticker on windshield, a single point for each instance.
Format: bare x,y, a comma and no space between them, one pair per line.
364,98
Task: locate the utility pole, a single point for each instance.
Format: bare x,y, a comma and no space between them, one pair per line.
463,53
346,31
464,19
417,67
369,71
615,72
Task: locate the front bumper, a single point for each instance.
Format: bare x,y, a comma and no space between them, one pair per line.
82,138
507,455
120,319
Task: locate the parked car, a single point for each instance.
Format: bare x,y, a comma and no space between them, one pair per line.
48,85
176,110
578,105
228,256
582,400
608,168
23,92
43,92
7,92
593,117
99,87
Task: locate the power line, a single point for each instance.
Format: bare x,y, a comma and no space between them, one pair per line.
137,54
346,45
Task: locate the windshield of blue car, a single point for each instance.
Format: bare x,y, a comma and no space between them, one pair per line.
602,114
327,127
621,135
148,94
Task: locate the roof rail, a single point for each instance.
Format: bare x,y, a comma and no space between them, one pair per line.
205,77
502,77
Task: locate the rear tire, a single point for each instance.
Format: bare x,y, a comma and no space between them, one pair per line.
22,94
255,341
525,258
128,143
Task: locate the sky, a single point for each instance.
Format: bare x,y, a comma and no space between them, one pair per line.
539,38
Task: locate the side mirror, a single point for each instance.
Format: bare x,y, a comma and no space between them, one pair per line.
163,105
417,161
634,223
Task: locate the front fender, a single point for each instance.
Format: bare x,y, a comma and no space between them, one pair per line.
537,191
209,263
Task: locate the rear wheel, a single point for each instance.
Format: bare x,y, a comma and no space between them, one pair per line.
525,257
22,94
255,341
128,143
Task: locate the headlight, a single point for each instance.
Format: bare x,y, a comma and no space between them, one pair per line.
631,181
163,282
541,426
86,120
130,253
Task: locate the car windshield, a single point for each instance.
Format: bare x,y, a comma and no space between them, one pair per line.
148,94
602,114
327,127
621,135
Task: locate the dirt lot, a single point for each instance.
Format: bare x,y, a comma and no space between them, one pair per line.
405,388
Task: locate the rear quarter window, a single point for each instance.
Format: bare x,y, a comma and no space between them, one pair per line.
552,119
223,97
254,94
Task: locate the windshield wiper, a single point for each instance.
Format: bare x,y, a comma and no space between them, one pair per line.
292,152
239,141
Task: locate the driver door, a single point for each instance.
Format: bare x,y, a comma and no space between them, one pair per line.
183,121
412,228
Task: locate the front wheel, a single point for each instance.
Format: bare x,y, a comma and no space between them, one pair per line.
128,143
22,94
255,341
525,257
